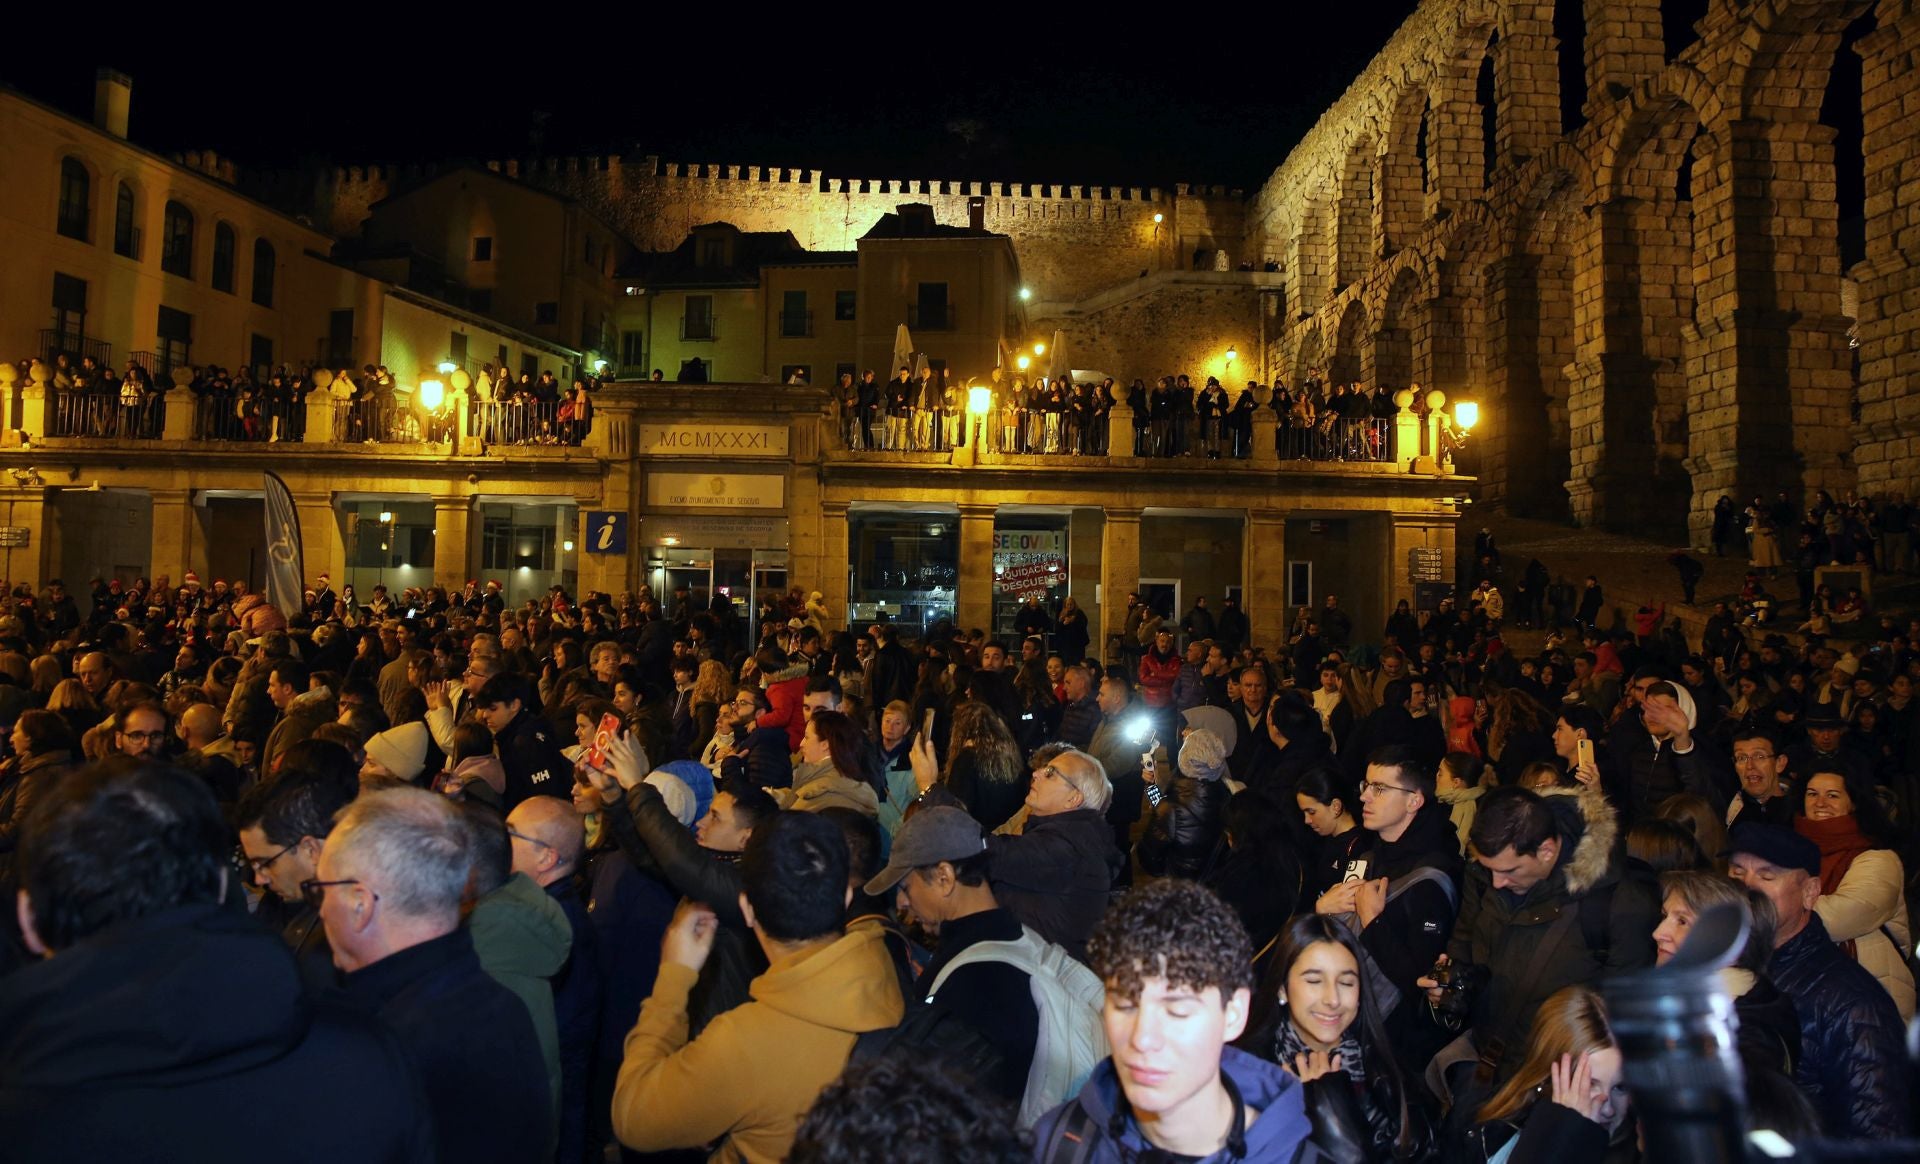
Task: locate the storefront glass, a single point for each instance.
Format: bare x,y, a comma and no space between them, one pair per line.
905,565
1029,560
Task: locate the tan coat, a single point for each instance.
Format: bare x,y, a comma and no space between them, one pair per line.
1873,895
750,1077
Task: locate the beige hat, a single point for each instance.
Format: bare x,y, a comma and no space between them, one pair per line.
401,750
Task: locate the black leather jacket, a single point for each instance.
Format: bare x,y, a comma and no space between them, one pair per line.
1186,830
1852,1063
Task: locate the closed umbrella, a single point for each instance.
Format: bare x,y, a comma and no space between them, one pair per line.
1058,367
902,350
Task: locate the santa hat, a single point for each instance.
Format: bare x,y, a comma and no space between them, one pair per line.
472,582
192,579
494,583
324,580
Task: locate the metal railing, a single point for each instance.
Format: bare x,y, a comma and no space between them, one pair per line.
1338,440
372,420
159,365
227,417
696,328
76,346
1061,434
931,318
524,422
98,414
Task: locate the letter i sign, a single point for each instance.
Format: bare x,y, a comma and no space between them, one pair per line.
606,532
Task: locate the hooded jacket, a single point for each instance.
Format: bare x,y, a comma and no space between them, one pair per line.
153,1038
1853,1063
1413,928
1500,931
304,715
786,689
831,790
1653,770
1114,1137
805,1012
522,937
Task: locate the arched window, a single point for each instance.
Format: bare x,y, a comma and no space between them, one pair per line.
176,241
224,244
263,272
76,197
126,236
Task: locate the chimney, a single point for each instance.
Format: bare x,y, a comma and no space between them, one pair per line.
112,93
977,212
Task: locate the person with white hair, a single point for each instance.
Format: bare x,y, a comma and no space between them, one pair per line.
1056,873
389,887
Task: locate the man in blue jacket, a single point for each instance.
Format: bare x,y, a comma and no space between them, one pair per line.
1178,969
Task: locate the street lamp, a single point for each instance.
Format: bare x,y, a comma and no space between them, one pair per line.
447,367
1039,349
1233,353
979,403
1158,218
1026,293
1466,414
432,395
1023,363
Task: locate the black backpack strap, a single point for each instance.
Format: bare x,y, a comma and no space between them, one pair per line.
1073,1137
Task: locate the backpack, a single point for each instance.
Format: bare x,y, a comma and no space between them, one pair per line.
1071,1040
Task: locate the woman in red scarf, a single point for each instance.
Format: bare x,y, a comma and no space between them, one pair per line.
1862,899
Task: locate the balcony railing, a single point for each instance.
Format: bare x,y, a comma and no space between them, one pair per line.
160,365
796,324
98,414
1041,433
374,420
254,418
328,353
697,328
525,422
76,346
929,318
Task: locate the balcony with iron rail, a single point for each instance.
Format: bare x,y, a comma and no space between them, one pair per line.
75,345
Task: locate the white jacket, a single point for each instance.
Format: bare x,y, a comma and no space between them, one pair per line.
1872,895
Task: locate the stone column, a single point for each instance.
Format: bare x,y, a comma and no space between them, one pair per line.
1264,574
1119,573
321,544
36,409
452,542
1623,47
834,563
974,605
1889,428
176,418
1120,431
319,418
178,543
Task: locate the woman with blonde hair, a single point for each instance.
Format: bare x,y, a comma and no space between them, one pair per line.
1568,1096
1356,692
1519,731
712,690
71,702
45,670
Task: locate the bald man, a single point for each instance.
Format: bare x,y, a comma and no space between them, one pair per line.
209,750
549,840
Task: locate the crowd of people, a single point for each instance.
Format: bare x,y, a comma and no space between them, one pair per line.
445,878
927,411
91,400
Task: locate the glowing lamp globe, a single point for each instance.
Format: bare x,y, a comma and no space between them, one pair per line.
1023,363
432,394
979,401
1466,414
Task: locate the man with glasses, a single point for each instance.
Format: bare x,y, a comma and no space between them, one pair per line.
391,878
758,756
1403,901
157,1024
1762,768
283,824
450,704
140,731
548,841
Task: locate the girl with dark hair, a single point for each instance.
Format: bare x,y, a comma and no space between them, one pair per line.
1327,801
1260,876
43,747
1315,1016
984,767
1862,897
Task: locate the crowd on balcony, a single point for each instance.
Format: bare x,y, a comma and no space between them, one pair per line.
90,400
517,883
927,412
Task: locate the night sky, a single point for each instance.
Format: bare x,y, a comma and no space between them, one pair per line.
1021,99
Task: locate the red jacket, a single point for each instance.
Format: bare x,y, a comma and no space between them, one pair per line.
785,692
1157,676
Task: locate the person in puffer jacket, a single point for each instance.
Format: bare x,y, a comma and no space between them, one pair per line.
1185,838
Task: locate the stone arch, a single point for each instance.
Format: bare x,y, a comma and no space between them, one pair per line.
1351,362
1402,338
1353,225
1654,111
1310,354
1402,172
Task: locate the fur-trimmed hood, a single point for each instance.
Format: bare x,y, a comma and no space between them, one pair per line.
790,671
1589,828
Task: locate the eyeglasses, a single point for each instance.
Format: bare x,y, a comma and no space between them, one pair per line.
1382,789
145,737
260,865
315,892
530,840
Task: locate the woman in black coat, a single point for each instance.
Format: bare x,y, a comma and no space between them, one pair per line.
1187,834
